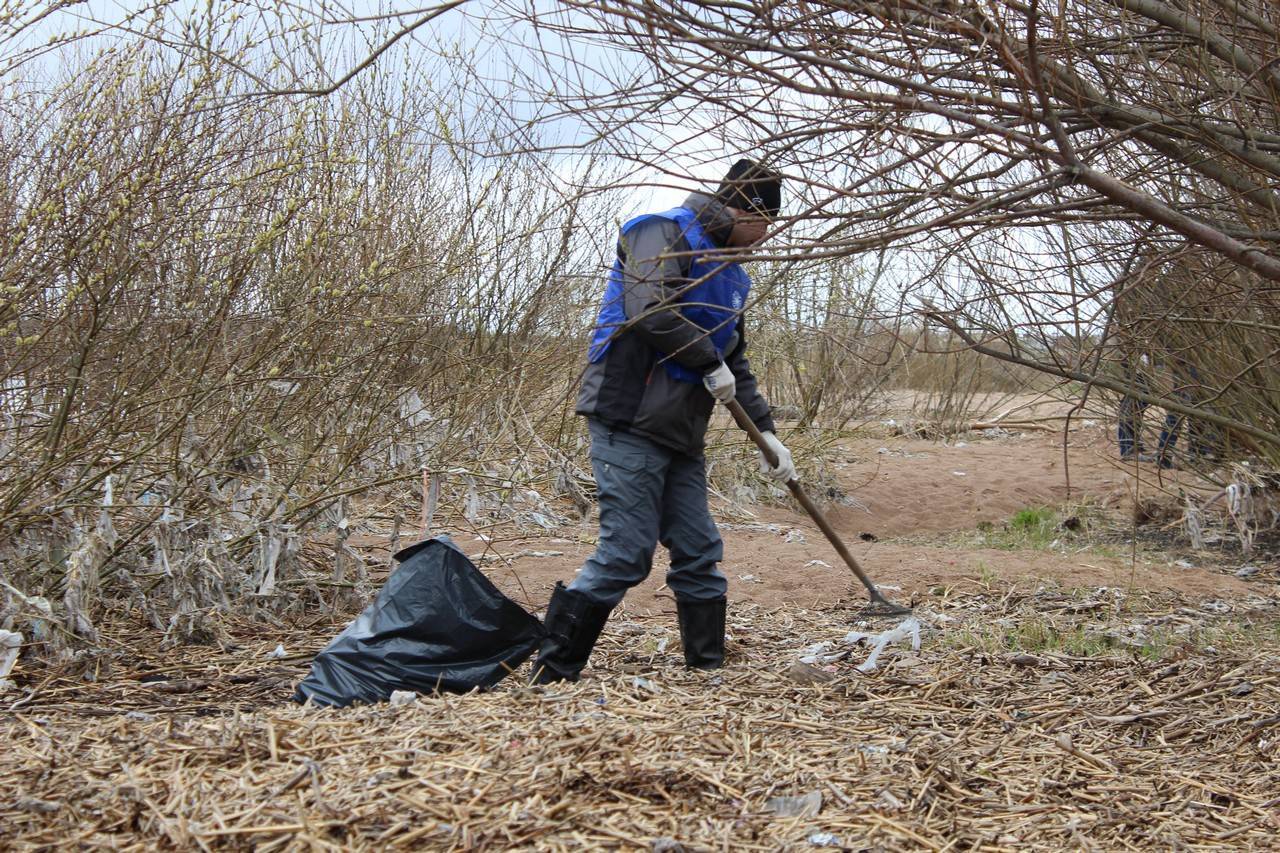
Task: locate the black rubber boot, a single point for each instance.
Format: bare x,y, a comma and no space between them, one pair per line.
573,625
702,632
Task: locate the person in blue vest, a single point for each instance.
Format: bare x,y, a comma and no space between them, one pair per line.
668,343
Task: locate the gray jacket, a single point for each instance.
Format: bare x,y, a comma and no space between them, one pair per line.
628,389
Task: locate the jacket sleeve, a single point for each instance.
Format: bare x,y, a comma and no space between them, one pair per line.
748,394
655,267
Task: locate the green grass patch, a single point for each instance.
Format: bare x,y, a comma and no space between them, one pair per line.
1042,528
1076,528
1033,519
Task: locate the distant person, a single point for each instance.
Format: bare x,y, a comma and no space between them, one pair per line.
1198,443
1129,419
1129,430
668,343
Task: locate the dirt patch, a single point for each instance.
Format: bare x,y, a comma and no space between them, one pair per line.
905,486
764,568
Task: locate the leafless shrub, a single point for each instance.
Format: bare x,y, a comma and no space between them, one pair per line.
226,315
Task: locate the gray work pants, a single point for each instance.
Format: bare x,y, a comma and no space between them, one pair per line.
650,494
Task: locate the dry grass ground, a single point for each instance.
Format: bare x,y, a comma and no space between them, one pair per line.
1025,721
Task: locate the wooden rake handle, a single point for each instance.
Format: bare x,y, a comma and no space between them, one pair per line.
740,415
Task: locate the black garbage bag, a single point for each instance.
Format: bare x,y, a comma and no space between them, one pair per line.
437,624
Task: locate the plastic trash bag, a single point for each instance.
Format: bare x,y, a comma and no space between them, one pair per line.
438,624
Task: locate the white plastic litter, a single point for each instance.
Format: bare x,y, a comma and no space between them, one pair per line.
403,697
1237,494
277,653
822,563
806,805
908,628
819,653
825,839
10,642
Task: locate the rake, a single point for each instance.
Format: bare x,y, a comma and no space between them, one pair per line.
879,605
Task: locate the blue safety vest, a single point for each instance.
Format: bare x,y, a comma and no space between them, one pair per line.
712,304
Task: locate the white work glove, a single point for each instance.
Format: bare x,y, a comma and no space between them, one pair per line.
720,383
786,469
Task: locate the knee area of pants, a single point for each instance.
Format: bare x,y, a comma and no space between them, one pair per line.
633,559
